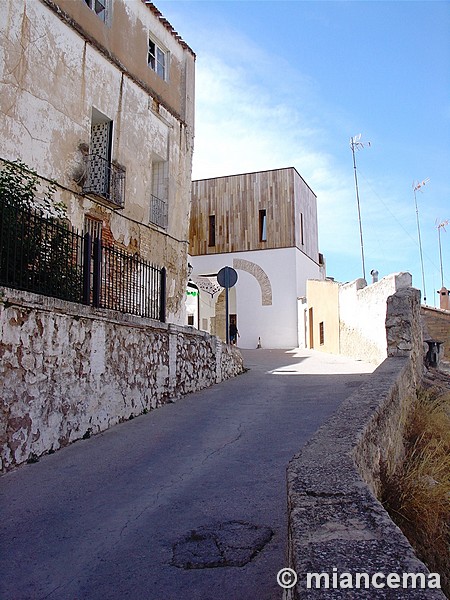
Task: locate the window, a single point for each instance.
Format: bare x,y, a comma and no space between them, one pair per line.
157,59
321,333
104,179
302,239
99,7
262,225
160,194
212,230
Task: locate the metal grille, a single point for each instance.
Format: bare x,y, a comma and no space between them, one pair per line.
158,212
41,255
105,181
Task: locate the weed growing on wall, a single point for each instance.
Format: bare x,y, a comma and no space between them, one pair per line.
418,496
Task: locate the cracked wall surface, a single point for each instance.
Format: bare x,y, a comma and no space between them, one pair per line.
68,370
61,65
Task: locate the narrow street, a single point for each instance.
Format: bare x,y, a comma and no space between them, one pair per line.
106,518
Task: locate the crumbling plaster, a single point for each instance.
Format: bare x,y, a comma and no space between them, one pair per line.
51,79
69,370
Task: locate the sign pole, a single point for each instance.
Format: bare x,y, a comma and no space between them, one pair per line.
227,278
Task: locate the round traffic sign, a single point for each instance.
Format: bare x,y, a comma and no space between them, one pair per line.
227,277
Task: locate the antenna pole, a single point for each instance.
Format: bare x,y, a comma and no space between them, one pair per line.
439,227
440,256
352,145
420,247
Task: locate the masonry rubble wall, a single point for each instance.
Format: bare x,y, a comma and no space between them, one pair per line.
436,326
334,516
69,371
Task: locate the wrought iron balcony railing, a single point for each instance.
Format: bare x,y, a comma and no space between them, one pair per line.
105,180
158,212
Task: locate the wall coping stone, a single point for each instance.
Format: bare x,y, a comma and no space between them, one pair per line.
335,519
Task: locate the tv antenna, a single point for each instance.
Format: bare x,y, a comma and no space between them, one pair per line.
440,226
356,144
417,187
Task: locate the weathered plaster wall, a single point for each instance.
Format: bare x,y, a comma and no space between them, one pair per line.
362,314
54,74
335,518
68,370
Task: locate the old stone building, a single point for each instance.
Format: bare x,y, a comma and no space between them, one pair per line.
264,225
98,95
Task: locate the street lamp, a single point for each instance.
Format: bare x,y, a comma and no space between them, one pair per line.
418,187
356,144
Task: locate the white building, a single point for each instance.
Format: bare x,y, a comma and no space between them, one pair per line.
264,225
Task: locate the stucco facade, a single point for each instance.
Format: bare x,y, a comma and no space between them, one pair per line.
265,227
74,78
349,318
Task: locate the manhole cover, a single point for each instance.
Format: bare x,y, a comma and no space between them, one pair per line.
230,544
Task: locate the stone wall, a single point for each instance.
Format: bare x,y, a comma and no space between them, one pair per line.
69,371
436,326
362,313
335,519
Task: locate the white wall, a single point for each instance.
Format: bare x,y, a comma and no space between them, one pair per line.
362,316
276,324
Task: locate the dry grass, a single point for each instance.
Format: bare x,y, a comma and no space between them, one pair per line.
418,497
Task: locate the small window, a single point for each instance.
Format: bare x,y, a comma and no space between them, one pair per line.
302,239
212,230
99,7
321,333
262,225
157,59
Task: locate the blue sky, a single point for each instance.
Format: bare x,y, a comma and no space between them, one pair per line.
287,83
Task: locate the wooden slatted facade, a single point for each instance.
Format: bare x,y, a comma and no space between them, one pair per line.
253,211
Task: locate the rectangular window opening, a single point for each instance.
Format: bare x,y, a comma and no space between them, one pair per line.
321,333
302,239
212,230
262,225
160,194
157,59
99,7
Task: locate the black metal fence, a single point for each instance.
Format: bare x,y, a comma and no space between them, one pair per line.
41,255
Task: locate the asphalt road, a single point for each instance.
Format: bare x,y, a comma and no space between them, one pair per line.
99,520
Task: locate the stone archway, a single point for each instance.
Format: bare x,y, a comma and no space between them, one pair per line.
260,275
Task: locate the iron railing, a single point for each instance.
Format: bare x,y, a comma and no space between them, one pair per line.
41,255
158,212
105,180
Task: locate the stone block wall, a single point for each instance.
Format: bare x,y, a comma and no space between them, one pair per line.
335,519
436,326
69,370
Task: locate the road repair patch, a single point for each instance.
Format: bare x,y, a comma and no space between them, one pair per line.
229,544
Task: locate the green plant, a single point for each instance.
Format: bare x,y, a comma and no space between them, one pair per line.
36,244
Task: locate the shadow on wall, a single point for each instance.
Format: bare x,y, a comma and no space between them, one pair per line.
349,318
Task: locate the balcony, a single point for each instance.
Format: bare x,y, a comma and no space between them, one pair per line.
105,181
158,212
